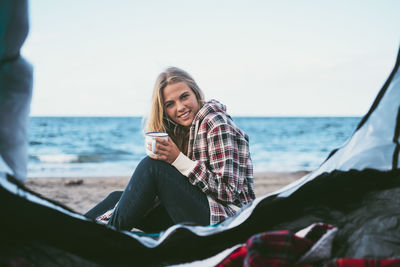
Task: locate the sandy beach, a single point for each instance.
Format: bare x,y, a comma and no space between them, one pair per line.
80,194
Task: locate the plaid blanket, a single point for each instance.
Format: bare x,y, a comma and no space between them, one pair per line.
364,263
284,248
309,247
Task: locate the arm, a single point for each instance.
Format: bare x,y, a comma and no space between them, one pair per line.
220,175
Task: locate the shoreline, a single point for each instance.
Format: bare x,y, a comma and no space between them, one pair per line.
82,193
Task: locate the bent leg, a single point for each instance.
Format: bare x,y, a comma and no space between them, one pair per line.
156,219
105,205
182,201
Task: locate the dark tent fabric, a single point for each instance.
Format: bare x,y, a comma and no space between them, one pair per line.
354,189
362,204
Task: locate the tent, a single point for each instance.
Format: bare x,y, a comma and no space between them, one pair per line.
355,189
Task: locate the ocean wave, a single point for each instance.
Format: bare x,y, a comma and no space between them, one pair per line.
102,145
69,158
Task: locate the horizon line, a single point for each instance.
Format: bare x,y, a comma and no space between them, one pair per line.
236,116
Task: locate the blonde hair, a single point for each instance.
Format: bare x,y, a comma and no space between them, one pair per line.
158,120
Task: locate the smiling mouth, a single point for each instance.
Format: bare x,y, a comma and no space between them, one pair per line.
184,115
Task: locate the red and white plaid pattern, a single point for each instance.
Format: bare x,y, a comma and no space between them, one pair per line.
282,248
224,169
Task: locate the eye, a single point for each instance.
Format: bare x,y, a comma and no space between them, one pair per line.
185,95
168,104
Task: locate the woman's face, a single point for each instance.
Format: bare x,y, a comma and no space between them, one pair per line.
180,103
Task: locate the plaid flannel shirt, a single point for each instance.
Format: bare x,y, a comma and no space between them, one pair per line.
223,168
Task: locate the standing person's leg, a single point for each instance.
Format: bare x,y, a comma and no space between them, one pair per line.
182,201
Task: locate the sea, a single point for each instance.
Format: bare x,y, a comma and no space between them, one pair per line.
113,146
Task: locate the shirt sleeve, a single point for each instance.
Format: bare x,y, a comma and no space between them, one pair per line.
219,176
184,164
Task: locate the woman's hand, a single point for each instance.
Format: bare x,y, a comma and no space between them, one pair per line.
166,150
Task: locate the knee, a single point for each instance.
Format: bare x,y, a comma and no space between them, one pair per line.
115,195
149,162
149,167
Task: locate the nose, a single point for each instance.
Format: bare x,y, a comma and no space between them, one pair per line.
180,106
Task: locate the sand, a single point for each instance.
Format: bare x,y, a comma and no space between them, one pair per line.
81,194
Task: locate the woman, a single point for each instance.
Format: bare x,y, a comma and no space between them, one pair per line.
202,174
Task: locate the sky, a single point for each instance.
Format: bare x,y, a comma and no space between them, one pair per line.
260,58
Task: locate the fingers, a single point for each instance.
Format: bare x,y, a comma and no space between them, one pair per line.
161,140
165,150
161,144
160,148
158,157
161,153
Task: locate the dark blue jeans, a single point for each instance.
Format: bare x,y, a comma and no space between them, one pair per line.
156,197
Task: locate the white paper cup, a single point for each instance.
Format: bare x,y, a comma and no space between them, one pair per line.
150,140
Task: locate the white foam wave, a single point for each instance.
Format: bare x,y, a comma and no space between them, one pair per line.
60,158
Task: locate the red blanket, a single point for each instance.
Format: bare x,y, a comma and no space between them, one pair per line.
307,248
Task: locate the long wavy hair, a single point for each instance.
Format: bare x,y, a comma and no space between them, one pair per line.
158,120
